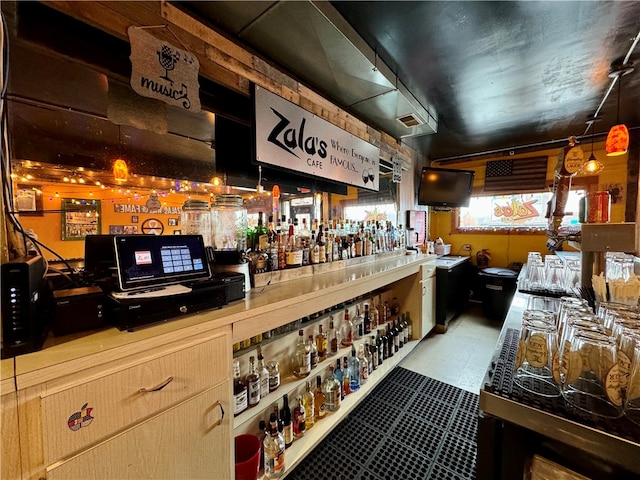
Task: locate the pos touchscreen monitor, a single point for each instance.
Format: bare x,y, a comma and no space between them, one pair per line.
145,261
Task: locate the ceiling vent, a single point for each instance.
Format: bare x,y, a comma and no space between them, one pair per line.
410,120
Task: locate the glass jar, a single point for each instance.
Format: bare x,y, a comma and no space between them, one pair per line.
229,224
274,375
598,207
196,219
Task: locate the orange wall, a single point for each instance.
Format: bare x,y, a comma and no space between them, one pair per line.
48,227
513,247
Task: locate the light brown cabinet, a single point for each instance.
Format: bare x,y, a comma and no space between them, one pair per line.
188,441
154,414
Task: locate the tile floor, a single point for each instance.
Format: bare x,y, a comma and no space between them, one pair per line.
460,356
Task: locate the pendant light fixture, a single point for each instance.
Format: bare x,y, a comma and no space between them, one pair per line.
592,166
618,138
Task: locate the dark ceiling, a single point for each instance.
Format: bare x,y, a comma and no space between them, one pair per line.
495,75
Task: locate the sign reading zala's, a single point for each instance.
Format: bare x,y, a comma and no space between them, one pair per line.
161,71
290,137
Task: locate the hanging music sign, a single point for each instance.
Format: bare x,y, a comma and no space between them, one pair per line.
162,71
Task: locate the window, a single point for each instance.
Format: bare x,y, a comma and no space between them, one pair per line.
380,212
524,211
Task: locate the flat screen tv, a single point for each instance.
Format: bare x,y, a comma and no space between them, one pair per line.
445,187
145,261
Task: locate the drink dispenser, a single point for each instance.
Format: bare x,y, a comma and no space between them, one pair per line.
229,235
196,220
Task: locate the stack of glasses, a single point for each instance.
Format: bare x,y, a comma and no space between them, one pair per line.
591,360
553,274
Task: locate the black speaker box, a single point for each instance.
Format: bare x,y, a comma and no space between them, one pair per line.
24,325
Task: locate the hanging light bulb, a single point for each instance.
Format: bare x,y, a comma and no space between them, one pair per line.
618,138
592,166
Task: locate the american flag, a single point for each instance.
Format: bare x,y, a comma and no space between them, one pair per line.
510,176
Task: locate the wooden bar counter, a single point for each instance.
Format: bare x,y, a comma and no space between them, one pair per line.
157,402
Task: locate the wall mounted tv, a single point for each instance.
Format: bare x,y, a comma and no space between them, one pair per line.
445,187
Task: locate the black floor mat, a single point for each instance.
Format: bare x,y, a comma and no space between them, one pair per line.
410,427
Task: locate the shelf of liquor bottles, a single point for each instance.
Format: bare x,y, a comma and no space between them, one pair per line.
358,328
248,421
342,325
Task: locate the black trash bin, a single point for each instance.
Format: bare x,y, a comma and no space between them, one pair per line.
498,287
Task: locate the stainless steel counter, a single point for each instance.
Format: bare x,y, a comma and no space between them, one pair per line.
614,444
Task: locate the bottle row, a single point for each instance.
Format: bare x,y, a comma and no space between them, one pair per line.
363,321
288,423
283,245
374,348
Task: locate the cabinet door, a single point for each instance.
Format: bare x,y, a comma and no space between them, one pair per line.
183,442
428,304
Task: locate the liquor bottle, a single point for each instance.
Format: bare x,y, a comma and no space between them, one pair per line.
240,394
334,339
264,375
347,334
387,311
328,239
302,357
276,411
374,353
405,330
400,330
319,399
357,245
265,432
346,376
390,340
314,248
366,352
272,241
332,391
409,326
322,246
287,421
282,244
357,325
396,337
382,319
375,317
308,401
253,383
313,352
364,363
298,419
395,306
338,375
355,371
366,320
304,241
260,235
321,344
379,347
293,255
274,446
385,343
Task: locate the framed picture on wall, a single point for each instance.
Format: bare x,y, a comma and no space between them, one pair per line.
80,217
28,201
